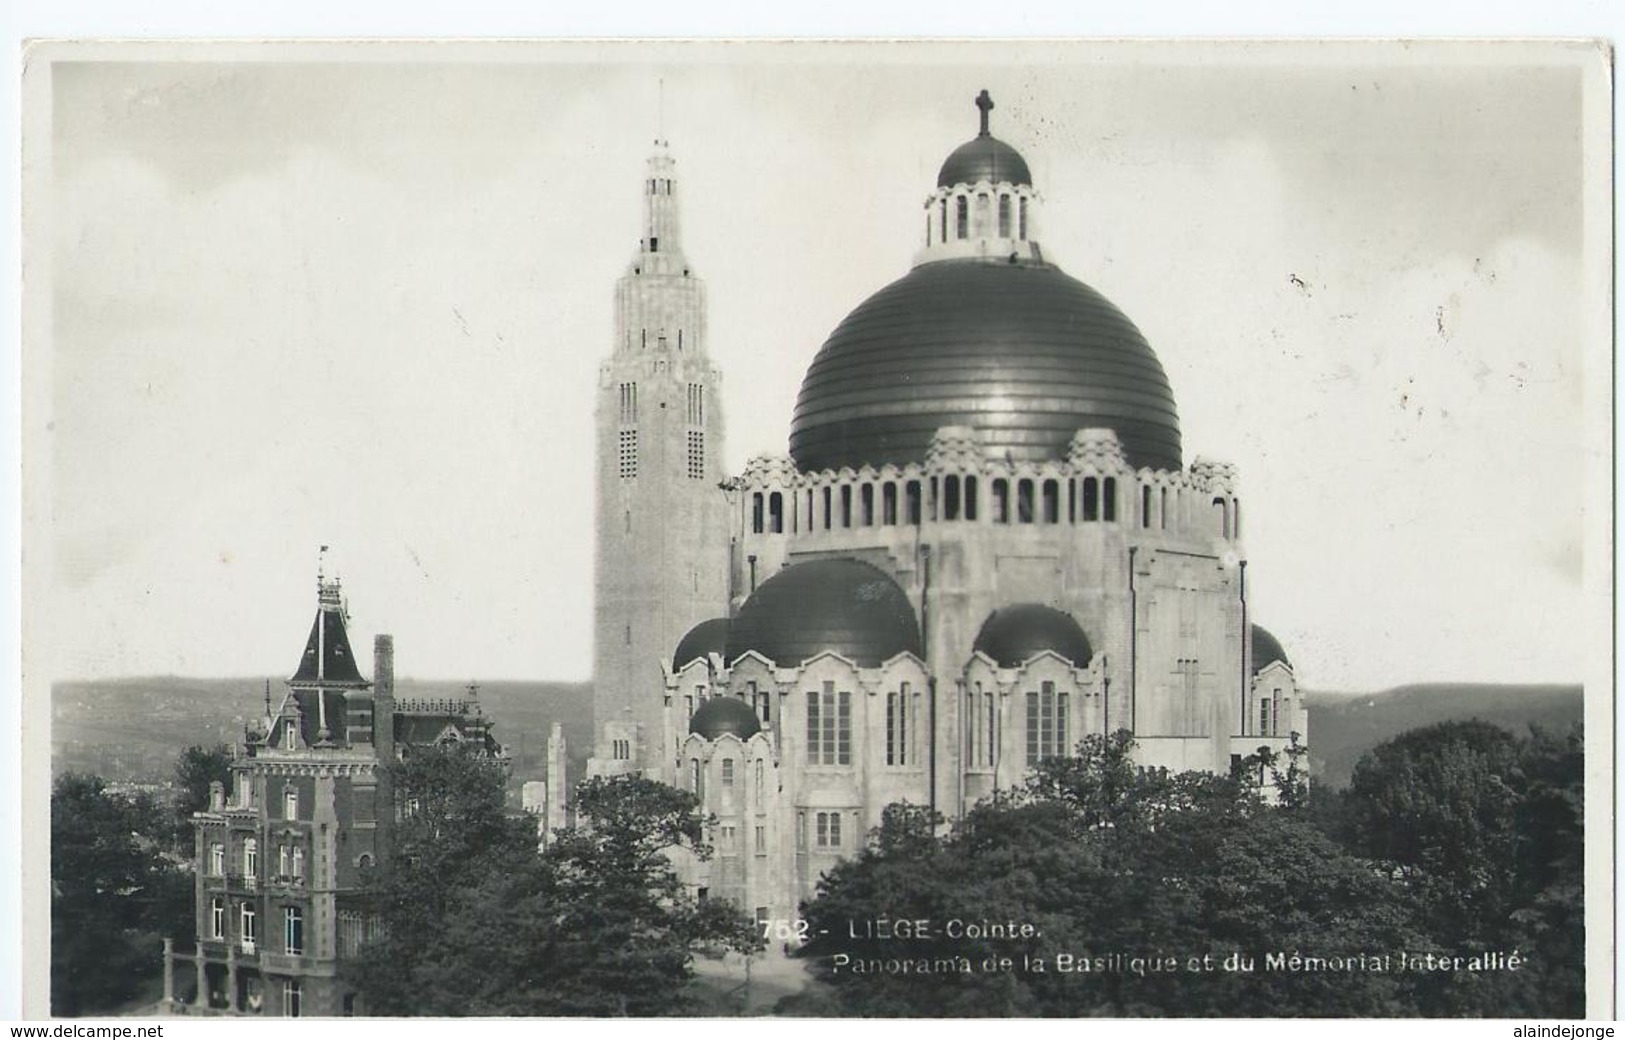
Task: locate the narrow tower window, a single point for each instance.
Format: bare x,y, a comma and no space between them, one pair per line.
950,497
1004,216
1052,502
696,454
962,217
628,454
1091,499
888,503
1109,500
775,513
1023,219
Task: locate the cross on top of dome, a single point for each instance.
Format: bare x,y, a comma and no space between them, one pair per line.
984,101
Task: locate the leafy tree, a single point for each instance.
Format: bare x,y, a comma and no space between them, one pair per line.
1487,828
1187,871
195,769
114,894
479,922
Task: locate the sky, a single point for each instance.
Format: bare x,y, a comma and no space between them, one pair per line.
304,297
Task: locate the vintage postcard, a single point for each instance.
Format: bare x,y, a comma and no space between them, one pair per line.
813,529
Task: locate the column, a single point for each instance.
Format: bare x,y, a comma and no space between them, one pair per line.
202,979
169,971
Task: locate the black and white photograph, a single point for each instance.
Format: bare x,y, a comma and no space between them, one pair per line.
1020,529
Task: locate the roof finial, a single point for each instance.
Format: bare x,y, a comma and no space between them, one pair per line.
985,103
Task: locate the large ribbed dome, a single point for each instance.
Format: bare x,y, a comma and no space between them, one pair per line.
1022,352
983,159
847,606
1014,635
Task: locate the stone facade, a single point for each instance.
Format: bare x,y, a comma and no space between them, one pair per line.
662,551
1043,599
283,853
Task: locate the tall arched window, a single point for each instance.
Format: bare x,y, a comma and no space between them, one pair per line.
1222,515
888,503
1023,230
866,499
1091,499
1001,500
1024,501
1109,499
962,217
1004,216
775,513
950,497
970,498
1052,502
756,521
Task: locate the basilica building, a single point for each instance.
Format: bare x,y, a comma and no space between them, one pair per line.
984,544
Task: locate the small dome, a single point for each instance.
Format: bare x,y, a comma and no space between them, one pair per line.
848,606
721,715
1266,650
984,158
704,639
1012,635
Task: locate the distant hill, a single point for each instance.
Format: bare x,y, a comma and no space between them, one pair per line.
1344,726
131,729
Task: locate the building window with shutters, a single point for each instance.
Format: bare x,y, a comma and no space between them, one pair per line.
249,927
727,772
217,918
251,858
293,929
217,859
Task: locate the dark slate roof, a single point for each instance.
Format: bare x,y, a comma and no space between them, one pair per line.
310,715
1012,635
1022,352
721,715
1266,650
327,656
848,606
984,158
705,638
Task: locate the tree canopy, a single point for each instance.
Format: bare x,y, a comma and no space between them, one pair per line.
1191,894
479,921
114,894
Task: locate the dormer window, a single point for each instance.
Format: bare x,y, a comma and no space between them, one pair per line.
290,734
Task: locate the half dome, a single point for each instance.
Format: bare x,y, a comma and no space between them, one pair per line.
1266,650
848,606
725,715
1021,352
704,639
1014,635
